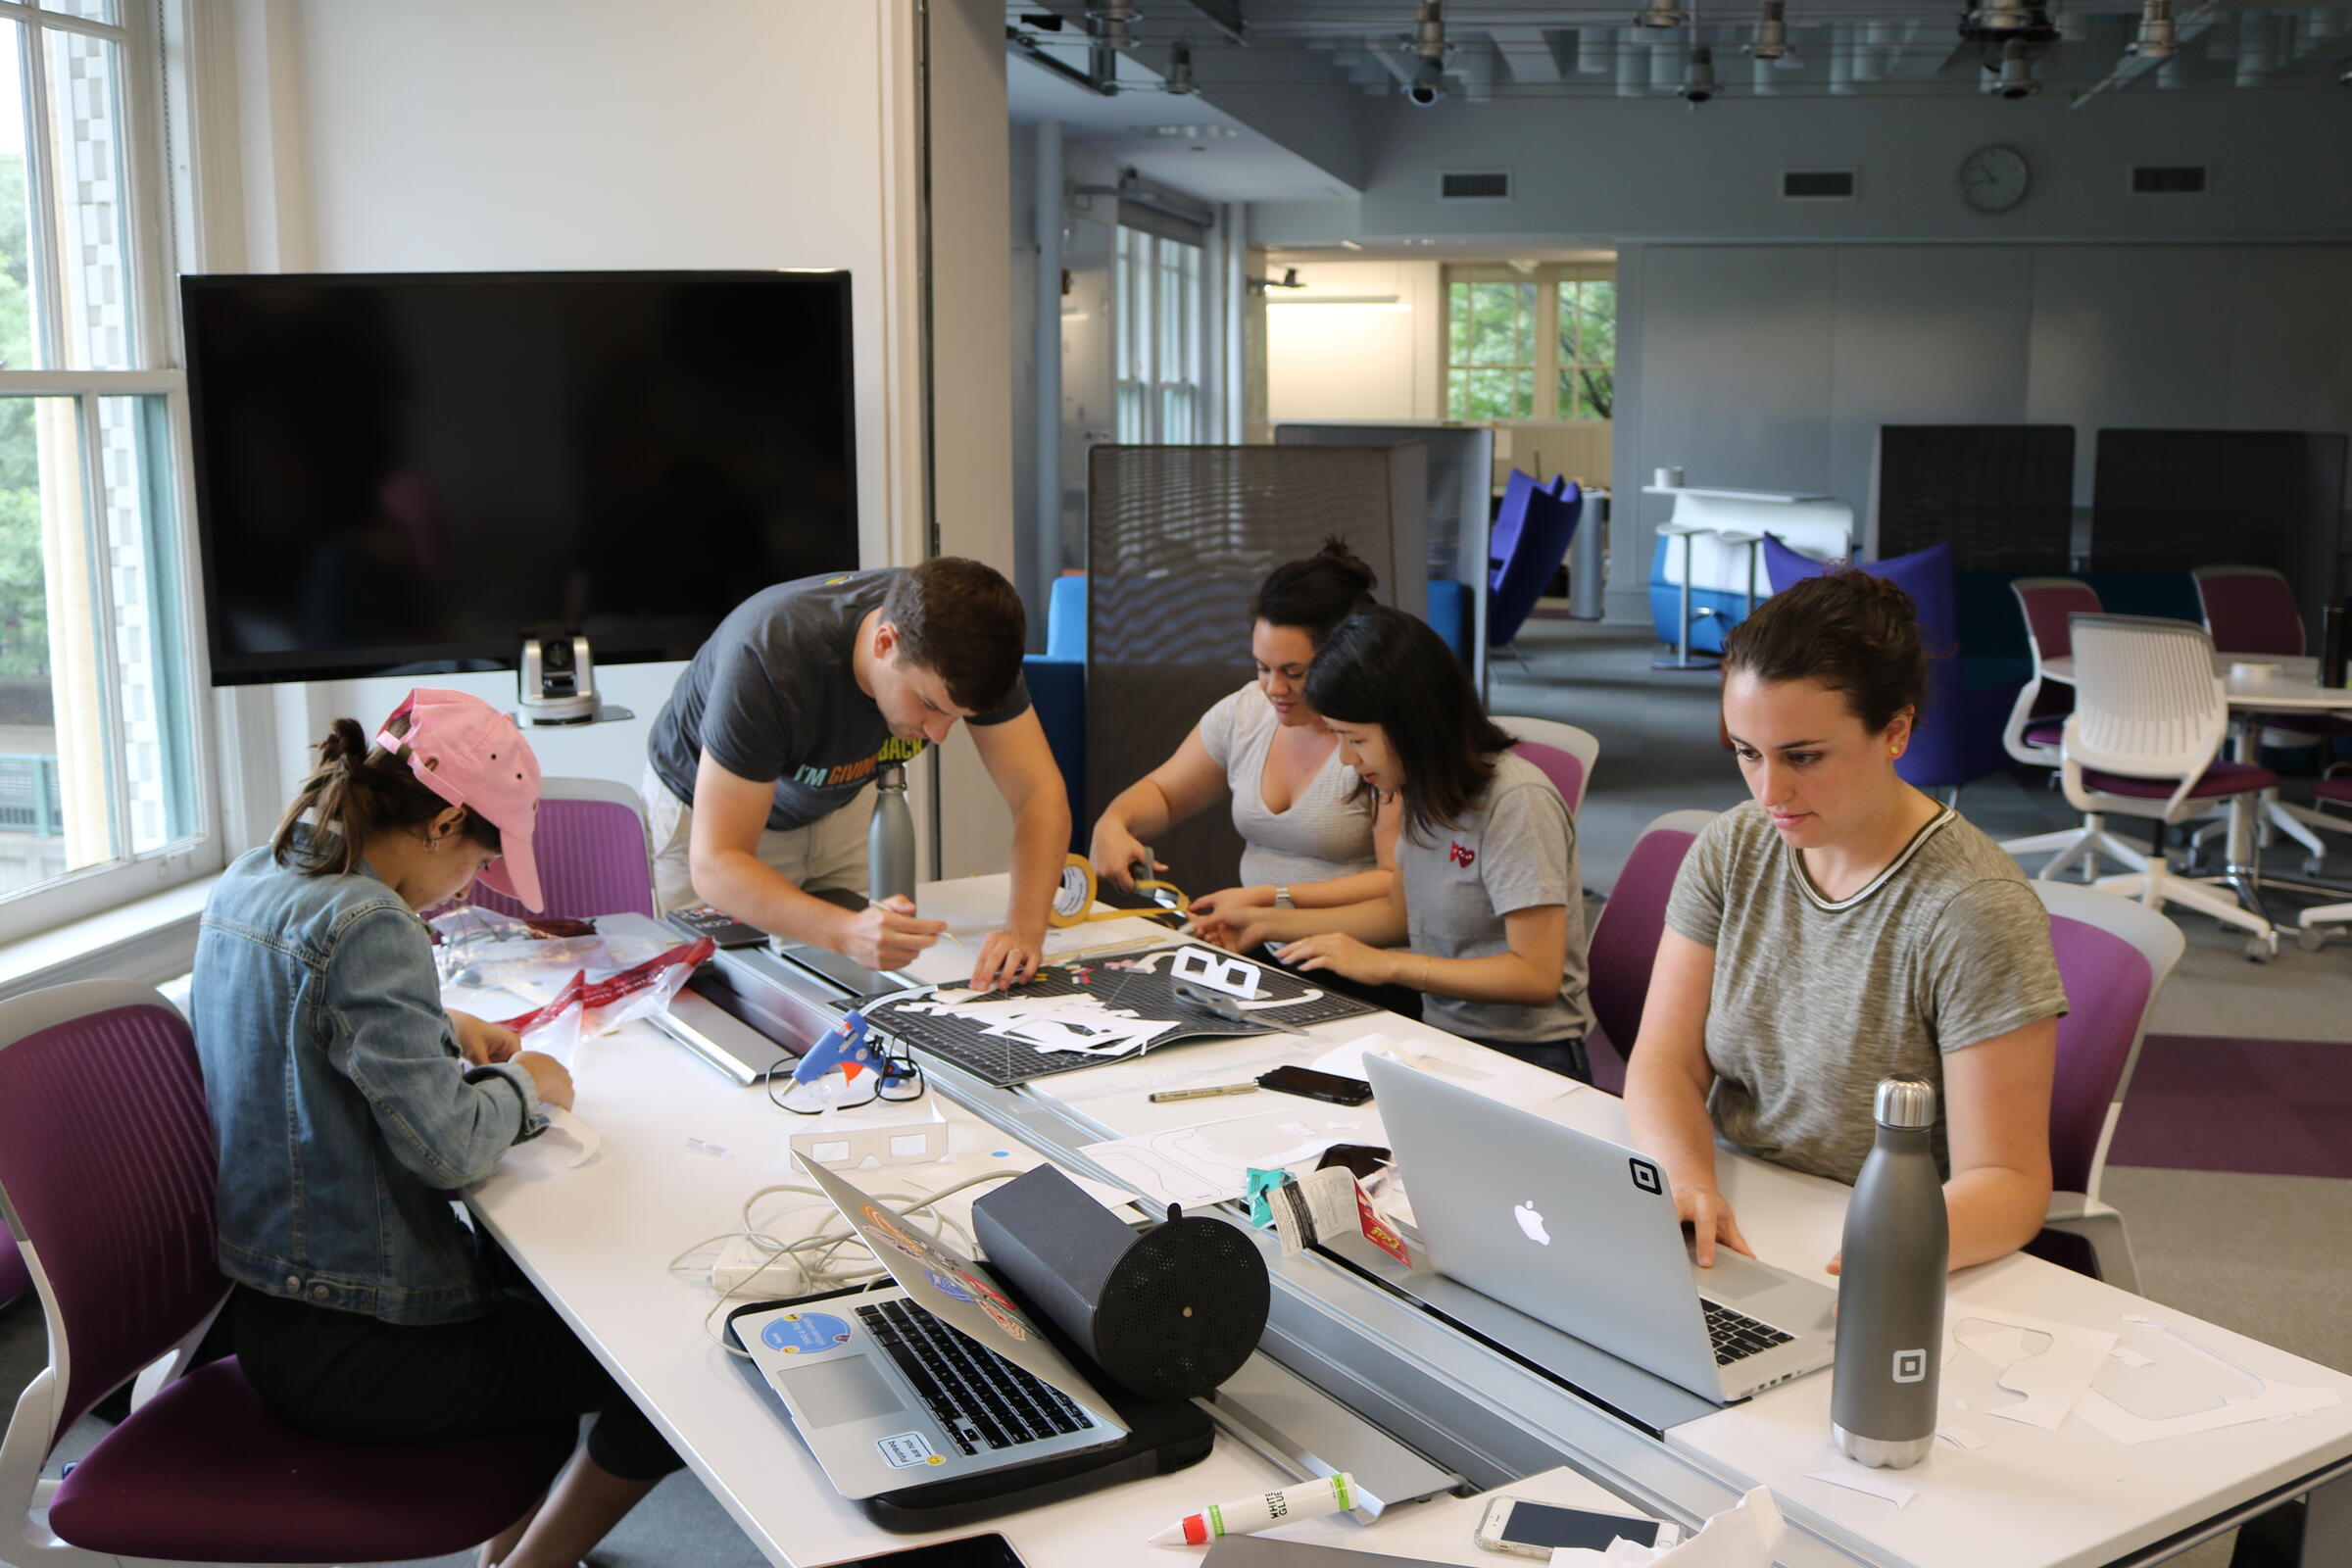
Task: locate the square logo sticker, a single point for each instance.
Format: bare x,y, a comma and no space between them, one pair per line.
906,1449
1910,1366
1647,1177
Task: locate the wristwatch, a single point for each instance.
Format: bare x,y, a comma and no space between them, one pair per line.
1282,897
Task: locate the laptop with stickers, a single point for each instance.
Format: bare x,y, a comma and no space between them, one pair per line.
938,1376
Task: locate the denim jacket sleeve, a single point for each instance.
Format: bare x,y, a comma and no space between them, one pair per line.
391,1037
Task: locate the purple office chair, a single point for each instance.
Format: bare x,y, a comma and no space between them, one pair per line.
594,856
1511,518
1531,556
1624,942
107,1171
2114,956
1563,752
2252,611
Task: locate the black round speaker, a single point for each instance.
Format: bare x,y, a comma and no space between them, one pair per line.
1169,1313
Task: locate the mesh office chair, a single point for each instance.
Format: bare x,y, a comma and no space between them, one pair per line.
1563,752
2113,957
594,854
2038,723
2144,739
107,1168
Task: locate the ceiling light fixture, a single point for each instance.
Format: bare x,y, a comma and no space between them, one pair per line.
1112,21
1428,85
1770,41
1659,13
2016,79
1699,77
1179,79
1997,17
2159,37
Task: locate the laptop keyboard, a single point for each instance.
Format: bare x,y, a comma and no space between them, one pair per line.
978,1398
1736,1335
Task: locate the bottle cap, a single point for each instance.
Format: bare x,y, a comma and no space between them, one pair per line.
1908,1102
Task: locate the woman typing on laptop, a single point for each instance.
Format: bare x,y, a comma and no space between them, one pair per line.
346,1102
1841,927
1485,916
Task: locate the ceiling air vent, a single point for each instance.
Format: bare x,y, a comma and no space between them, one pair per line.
2186,179
1818,184
1475,185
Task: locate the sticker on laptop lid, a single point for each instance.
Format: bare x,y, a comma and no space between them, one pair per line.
907,1449
805,1333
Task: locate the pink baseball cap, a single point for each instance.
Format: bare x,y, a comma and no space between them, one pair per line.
471,755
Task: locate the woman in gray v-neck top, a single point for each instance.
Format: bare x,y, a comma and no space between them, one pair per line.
1323,834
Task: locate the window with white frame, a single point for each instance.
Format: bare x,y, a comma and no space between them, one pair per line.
1158,350
101,795
1531,344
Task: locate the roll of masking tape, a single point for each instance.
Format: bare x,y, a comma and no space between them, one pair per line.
1074,897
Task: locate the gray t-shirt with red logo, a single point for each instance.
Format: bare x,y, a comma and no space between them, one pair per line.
1514,849
772,696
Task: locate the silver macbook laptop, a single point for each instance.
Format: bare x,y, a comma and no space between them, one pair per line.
941,1376
1582,1234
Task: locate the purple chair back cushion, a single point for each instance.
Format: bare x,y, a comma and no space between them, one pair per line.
591,861
2107,984
1567,774
205,1471
106,1153
2251,612
1625,938
1548,523
2046,610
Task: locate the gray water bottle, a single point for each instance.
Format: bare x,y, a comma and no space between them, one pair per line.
1890,1287
890,838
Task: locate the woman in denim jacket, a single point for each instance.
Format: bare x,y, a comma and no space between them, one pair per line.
346,1103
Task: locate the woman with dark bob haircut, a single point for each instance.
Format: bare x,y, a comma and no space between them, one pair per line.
1308,833
1485,916
1841,927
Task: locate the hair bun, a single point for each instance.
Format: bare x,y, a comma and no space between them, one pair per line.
1336,550
346,744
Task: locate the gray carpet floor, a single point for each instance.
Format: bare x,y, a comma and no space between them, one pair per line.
2200,1237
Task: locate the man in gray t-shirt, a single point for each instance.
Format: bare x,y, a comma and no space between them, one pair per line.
756,761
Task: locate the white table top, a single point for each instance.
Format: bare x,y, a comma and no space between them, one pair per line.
2291,688
597,1241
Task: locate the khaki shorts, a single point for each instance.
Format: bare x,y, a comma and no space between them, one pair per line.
829,853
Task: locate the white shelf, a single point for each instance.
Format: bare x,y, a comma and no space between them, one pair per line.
1778,497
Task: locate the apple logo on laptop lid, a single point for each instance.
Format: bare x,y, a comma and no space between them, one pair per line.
1532,1222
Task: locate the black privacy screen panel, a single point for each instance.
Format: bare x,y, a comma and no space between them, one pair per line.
2002,495
2170,501
1178,541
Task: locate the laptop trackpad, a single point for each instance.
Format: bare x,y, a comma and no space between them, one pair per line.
1733,1278
845,1389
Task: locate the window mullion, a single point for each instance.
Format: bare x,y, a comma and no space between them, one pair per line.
1547,353
98,538
48,256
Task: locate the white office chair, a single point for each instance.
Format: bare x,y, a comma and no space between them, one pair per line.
2144,740
2046,603
1579,744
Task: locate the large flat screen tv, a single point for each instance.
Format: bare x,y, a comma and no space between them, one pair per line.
397,475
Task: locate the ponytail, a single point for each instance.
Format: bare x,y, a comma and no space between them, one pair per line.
354,793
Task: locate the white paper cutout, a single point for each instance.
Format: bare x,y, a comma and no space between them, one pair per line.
2275,1402
567,1126
1219,971
2129,1356
1743,1537
1348,1060
2052,1379
1958,1436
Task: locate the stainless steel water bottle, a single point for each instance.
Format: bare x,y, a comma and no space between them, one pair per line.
890,838
1890,1287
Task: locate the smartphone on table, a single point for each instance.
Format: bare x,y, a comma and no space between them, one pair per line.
1317,1085
1537,1530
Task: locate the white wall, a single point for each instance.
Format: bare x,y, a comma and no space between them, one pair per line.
1769,367
1354,360
1616,170
450,135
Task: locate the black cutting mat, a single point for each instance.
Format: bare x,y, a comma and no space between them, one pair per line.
1149,994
